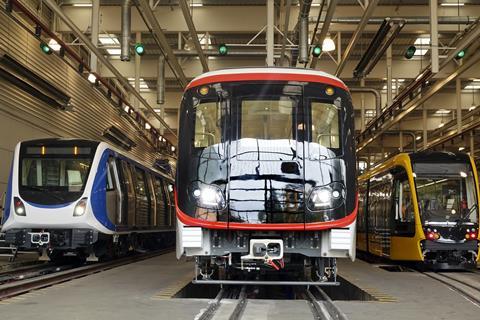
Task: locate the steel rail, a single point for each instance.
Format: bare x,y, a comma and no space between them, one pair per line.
456,285
326,309
19,287
213,305
241,305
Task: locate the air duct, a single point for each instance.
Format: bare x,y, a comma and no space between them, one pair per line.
376,93
161,80
126,30
303,31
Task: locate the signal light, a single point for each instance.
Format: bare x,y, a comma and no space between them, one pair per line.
45,48
460,55
139,49
410,52
223,49
317,50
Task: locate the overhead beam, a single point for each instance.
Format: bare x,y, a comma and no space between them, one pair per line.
193,33
413,104
162,42
78,33
356,35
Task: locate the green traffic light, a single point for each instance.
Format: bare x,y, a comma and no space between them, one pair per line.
460,54
45,48
410,52
223,49
317,50
139,49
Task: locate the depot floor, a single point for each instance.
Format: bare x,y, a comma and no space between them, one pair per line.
142,291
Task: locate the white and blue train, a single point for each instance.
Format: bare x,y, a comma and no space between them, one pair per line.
86,198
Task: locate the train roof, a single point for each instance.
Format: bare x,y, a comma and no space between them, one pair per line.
439,156
266,74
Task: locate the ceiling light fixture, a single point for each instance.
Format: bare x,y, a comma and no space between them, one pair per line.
328,44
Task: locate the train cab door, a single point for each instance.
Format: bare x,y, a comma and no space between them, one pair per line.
266,180
403,220
114,195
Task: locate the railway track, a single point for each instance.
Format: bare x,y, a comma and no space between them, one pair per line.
462,283
321,306
39,279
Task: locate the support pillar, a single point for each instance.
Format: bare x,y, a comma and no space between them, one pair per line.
270,32
389,76
138,60
94,33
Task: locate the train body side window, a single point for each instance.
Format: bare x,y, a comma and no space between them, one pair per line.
141,188
110,174
404,213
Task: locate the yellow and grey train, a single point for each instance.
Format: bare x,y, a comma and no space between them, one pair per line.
421,207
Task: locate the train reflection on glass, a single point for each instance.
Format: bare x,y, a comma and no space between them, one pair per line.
266,173
421,207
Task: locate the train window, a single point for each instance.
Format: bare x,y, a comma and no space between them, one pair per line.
141,188
267,119
127,178
325,130
110,174
404,206
208,128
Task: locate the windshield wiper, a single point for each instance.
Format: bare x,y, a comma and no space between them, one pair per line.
467,216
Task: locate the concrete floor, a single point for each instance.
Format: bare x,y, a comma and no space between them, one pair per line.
142,290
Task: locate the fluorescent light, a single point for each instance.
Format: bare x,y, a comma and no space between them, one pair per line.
472,108
54,45
114,52
441,124
196,5
442,111
92,78
452,4
422,41
108,39
147,126
461,148
418,138
85,5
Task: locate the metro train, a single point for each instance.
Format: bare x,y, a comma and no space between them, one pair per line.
422,208
266,175
85,198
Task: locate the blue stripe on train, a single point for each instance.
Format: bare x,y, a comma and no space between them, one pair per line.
98,197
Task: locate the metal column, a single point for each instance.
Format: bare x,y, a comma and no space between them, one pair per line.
400,140
138,60
434,35
389,77
161,80
472,143
94,35
458,93
362,106
425,133
270,32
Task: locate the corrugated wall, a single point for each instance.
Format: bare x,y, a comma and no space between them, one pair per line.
24,117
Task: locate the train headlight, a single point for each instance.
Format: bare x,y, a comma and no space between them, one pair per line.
326,197
19,207
208,196
80,208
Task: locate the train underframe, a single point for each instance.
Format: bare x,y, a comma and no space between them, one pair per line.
450,256
227,255
58,245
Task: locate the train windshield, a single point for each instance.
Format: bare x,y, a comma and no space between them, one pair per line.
448,198
54,175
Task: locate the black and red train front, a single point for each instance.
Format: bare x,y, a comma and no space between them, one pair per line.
266,172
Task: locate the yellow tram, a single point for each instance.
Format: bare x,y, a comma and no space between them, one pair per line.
421,207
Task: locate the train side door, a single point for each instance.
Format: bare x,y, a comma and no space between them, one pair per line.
141,198
152,219
130,187
113,192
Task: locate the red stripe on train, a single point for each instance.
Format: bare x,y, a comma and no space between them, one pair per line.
340,223
266,77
